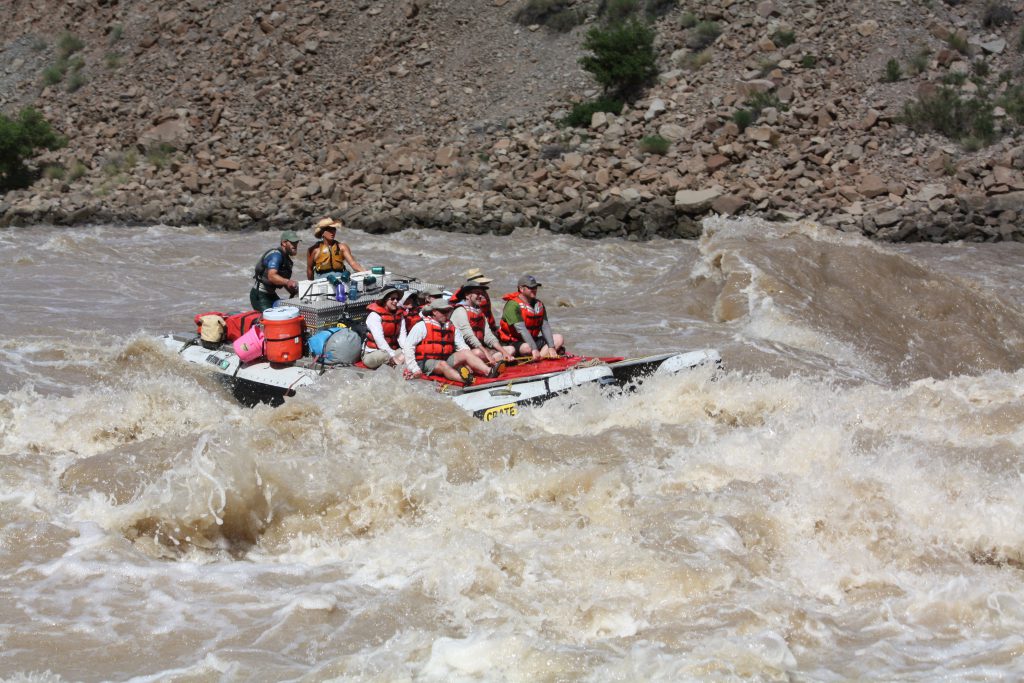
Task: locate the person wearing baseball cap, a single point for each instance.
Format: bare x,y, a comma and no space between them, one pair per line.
524,323
432,347
274,270
328,255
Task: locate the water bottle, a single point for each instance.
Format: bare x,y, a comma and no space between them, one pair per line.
353,291
339,292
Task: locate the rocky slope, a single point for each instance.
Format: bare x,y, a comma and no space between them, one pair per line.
444,114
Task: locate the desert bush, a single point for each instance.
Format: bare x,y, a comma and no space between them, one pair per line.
558,15
954,79
75,81
688,20
618,11
118,162
159,155
743,118
112,60
980,68
695,60
654,144
996,14
958,42
622,58
38,44
1013,102
893,72
21,139
68,45
54,172
53,74
808,61
703,34
580,115
784,38
116,33
919,61
760,101
947,113
76,171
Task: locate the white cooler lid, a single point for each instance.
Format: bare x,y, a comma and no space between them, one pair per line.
281,313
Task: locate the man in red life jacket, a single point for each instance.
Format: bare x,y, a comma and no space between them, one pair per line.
328,255
414,300
386,324
470,319
524,323
432,347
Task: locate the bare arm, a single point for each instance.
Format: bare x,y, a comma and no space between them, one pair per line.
349,258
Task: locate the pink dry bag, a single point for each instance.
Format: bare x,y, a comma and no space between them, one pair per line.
249,346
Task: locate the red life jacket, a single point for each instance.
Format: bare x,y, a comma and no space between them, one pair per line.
534,319
477,320
488,312
439,342
391,322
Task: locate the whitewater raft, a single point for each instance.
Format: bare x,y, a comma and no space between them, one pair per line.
520,384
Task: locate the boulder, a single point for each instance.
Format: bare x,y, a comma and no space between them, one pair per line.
696,201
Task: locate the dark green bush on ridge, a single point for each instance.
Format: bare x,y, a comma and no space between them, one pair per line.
581,113
557,15
945,112
622,58
20,140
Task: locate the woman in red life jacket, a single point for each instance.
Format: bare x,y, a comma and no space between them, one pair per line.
524,323
386,324
470,319
432,347
328,255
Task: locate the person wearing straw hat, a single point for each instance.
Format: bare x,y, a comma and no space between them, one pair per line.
274,270
474,275
470,319
386,324
433,347
328,255
524,322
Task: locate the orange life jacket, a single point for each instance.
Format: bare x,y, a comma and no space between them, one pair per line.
439,342
391,322
328,257
477,320
534,319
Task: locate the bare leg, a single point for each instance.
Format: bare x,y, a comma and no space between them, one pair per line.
472,360
446,370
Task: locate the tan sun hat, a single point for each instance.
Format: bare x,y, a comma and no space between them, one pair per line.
325,224
476,275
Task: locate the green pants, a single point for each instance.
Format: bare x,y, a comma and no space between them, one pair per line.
261,300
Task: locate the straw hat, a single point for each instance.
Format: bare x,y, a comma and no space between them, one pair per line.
325,224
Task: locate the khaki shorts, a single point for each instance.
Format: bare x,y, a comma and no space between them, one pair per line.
374,358
430,364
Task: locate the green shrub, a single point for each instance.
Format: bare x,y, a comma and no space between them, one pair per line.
919,61
760,101
688,20
743,118
77,171
38,44
808,61
20,140
893,72
581,113
618,11
68,45
946,113
622,58
1013,102
996,14
112,60
654,144
703,34
1020,39
695,60
54,172
116,33
954,79
784,38
556,15
981,68
52,75
75,81
958,42
160,155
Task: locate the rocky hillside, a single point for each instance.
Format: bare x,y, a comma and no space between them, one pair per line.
443,114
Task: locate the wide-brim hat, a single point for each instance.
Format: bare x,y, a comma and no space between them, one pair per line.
438,305
325,224
431,290
476,275
387,291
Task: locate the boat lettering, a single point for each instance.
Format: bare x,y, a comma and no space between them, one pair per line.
507,409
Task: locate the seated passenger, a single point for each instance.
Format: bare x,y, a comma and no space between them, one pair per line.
470,319
432,347
474,275
328,255
414,301
524,321
386,324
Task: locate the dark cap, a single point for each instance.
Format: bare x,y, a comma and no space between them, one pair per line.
289,236
438,305
528,281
